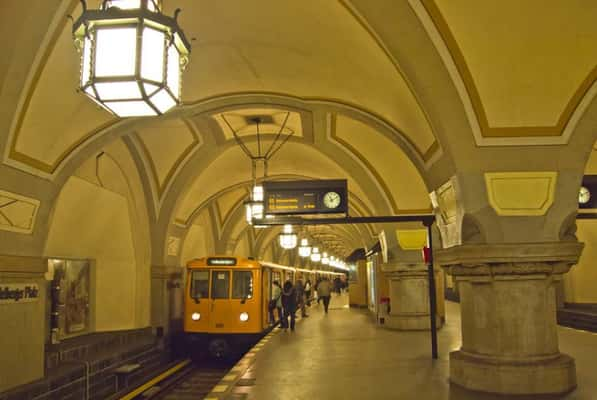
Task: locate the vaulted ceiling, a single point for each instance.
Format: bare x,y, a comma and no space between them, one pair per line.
387,94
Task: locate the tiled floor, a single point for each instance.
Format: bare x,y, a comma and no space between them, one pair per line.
344,355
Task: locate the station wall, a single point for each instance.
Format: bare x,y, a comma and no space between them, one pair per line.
91,222
195,245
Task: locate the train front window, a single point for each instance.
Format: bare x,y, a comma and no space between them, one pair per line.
200,285
220,284
242,285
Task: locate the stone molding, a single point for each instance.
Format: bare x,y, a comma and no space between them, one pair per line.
403,269
166,272
23,265
509,258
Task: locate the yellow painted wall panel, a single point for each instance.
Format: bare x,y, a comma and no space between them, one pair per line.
92,222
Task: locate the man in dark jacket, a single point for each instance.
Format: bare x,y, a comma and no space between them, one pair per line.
289,305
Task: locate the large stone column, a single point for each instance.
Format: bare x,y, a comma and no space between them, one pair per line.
508,307
165,280
409,296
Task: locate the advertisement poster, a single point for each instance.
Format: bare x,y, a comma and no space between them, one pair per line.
71,277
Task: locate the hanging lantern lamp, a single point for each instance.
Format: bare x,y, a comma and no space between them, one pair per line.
132,57
304,249
288,239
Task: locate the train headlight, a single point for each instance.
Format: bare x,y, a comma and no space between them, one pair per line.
244,317
195,316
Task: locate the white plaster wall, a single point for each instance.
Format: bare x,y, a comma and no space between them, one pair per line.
92,222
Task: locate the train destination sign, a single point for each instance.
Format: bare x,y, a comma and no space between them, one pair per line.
306,197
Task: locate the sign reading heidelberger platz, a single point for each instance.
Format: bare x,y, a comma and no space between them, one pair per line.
12,293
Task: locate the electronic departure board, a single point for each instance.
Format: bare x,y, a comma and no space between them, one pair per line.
306,197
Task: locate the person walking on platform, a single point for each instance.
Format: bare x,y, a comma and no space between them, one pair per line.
337,286
324,290
275,303
317,282
308,292
289,305
300,296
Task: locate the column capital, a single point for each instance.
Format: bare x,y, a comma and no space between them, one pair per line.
509,258
401,269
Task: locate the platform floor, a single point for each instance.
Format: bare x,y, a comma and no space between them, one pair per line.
344,355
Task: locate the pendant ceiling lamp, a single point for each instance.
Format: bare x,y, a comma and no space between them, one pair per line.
132,56
304,249
288,239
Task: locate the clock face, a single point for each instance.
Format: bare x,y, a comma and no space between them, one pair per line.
584,195
331,200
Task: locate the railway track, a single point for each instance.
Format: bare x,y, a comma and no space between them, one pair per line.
183,381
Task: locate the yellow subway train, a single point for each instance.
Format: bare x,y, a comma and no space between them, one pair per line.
226,301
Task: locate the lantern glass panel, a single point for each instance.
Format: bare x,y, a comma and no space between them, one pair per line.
248,214
124,4
86,66
130,108
163,101
150,89
173,72
118,90
257,210
152,54
115,51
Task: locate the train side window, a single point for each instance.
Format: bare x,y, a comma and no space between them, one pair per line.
242,285
200,284
220,284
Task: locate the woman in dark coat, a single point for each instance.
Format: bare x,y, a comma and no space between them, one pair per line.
289,304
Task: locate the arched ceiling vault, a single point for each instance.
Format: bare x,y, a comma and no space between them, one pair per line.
386,93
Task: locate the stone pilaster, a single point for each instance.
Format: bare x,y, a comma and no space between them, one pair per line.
409,296
23,322
508,308
166,286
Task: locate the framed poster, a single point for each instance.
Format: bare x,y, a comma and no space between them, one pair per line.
70,296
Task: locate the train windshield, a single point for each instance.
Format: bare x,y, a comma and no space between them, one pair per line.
220,285
200,285
242,285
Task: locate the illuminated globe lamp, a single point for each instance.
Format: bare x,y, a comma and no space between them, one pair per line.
304,249
132,56
288,239
315,255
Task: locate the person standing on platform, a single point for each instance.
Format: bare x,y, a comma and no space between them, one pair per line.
289,305
308,292
324,290
300,296
276,302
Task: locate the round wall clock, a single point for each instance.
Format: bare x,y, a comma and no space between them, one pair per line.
331,200
584,195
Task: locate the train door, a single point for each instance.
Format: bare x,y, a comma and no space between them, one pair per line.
220,309
199,305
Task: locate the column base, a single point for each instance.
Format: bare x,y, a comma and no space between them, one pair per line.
484,374
410,322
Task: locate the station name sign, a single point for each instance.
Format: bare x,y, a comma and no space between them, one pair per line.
305,197
11,293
